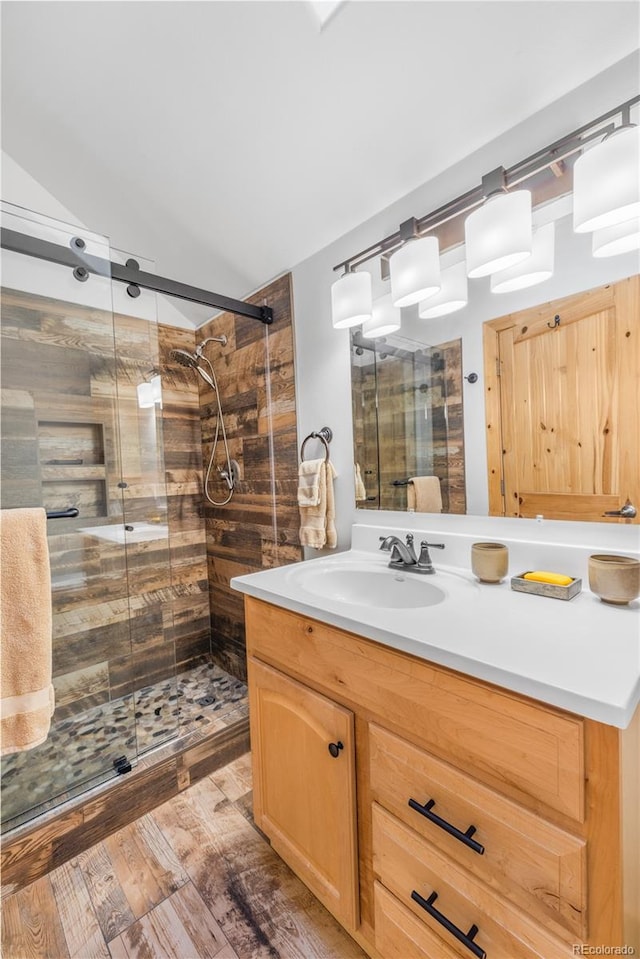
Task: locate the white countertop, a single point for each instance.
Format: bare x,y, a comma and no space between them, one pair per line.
580,655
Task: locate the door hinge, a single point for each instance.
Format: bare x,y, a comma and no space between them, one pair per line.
501,487
498,366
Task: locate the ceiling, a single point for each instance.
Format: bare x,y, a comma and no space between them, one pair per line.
229,141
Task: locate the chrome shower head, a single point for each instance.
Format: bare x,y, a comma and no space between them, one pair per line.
184,358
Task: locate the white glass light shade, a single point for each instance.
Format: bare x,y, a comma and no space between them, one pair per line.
415,271
499,233
146,398
351,300
621,238
384,320
535,269
453,295
606,182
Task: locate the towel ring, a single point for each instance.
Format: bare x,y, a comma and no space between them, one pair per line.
325,435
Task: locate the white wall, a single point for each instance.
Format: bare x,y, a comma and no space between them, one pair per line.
19,187
322,353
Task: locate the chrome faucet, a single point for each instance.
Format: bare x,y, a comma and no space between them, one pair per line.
401,555
404,556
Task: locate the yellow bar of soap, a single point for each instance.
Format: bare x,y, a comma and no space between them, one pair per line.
542,576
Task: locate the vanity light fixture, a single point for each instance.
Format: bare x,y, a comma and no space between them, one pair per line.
415,267
535,269
498,225
384,320
606,180
499,233
621,238
453,295
351,299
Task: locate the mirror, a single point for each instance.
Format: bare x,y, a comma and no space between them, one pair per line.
418,409
407,416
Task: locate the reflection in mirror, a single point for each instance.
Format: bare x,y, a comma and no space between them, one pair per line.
408,424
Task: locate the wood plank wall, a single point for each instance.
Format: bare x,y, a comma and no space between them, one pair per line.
182,435
259,527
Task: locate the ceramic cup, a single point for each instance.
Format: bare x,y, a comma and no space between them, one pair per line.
615,579
489,561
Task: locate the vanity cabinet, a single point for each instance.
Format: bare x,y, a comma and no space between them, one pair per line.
304,785
485,822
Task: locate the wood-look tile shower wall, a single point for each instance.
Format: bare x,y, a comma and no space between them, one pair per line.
182,435
259,527
63,395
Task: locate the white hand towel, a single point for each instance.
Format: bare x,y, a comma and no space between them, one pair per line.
424,494
309,473
317,526
27,699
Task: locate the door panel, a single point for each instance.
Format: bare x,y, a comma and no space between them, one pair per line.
568,387
304,797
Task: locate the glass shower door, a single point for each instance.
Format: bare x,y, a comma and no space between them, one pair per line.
61,450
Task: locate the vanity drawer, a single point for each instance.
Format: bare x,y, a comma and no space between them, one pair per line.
399,935
528,751
539,866
406,863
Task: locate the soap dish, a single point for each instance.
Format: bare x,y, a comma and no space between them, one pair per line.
523,585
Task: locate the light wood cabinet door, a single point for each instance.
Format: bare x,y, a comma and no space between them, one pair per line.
304,785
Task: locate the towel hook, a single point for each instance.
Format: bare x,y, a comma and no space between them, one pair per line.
325,435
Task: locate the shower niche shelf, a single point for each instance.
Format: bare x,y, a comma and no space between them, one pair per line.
72,464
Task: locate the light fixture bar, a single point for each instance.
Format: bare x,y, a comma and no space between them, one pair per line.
523,170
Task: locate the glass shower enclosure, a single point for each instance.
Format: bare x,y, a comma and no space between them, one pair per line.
81,435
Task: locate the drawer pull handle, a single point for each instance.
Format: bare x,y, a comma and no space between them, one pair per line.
466,938
464,837
334,749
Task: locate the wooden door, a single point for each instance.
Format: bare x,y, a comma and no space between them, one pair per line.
563,406
304,797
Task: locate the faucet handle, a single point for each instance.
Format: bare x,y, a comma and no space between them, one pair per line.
424,561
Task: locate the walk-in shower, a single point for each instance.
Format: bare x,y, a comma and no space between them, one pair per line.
117,478
230,472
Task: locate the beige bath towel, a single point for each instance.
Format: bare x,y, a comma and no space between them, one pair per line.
27,700
317,523
309,473
361,492
424,494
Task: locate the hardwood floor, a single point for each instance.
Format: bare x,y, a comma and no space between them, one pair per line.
193,879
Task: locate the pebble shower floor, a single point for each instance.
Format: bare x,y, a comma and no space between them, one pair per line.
81,749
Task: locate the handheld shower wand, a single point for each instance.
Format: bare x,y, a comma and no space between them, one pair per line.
192,361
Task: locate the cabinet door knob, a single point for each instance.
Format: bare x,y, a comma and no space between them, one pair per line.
334,749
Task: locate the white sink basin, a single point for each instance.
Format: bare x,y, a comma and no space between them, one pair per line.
379,587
